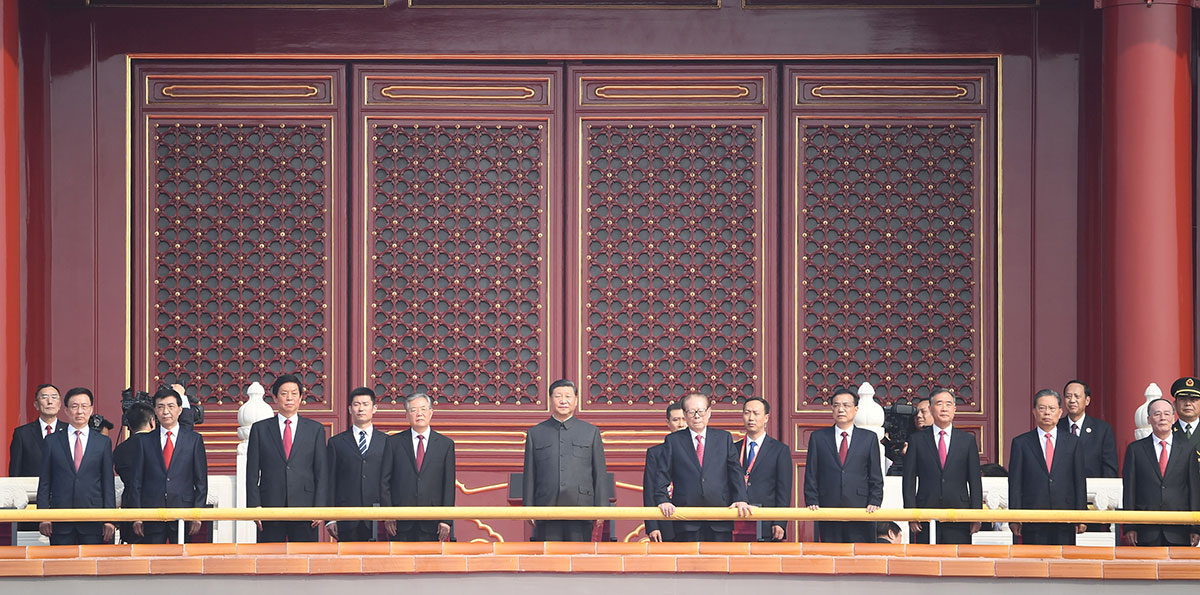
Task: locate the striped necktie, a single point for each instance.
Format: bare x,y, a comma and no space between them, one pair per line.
362,443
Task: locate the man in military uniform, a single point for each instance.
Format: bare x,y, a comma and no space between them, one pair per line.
1186,392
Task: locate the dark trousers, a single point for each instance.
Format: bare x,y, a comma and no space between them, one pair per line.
1048,534
957,533
563,531
846,531
704,533
281,531
69,534
356,530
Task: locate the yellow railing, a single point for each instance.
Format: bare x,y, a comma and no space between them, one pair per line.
597,512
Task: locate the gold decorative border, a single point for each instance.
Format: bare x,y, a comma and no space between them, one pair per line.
390,92
702,81
240,91
311,90
422,80
738,91
819,91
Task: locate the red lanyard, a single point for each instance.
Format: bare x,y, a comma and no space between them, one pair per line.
743,459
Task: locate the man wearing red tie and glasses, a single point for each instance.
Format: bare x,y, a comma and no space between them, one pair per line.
941,470
77,472
1046,472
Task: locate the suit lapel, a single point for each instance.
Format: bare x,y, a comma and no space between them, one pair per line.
65,441
155,444
406,445
276,437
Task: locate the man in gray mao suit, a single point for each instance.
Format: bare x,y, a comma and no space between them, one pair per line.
564,466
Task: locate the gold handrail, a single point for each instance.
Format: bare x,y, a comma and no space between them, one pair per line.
597,512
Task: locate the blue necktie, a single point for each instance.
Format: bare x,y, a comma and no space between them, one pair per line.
750,455
362,443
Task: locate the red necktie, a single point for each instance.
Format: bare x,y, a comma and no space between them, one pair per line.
420,451
1049,453
942,449
168,450
1162,457
700,450
844,448
287,438
49,430
78,448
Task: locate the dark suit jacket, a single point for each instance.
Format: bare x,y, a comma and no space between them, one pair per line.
1147,488
433,485
273,480
1177,429
720,482
184,485
124,458
25,450
654,463
829,483
1099,446
1030,486
564,465
355,480
61,486
928,485
770,482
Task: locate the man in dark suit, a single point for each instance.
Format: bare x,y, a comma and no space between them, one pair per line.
77,472
843,470
564,466
1096,435
1045,472
1161,473
360,466
139,418
171,470
702,466
422,473
286,464
941,470
1186,392
657,529
25,450
767,463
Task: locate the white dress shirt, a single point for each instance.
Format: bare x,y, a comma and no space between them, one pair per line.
937,435
162,435
1053,434
358,432
1071,422
416,441
280,418
837,437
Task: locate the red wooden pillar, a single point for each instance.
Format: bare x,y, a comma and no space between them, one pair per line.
10,226
1147,194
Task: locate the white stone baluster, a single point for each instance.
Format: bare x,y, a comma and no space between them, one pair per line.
870,417
253,410
1141,418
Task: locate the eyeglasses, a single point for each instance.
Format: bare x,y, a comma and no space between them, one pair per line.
842,406
419,410
79,406
696,412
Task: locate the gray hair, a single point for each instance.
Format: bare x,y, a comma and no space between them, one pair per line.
410,398
1048,392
